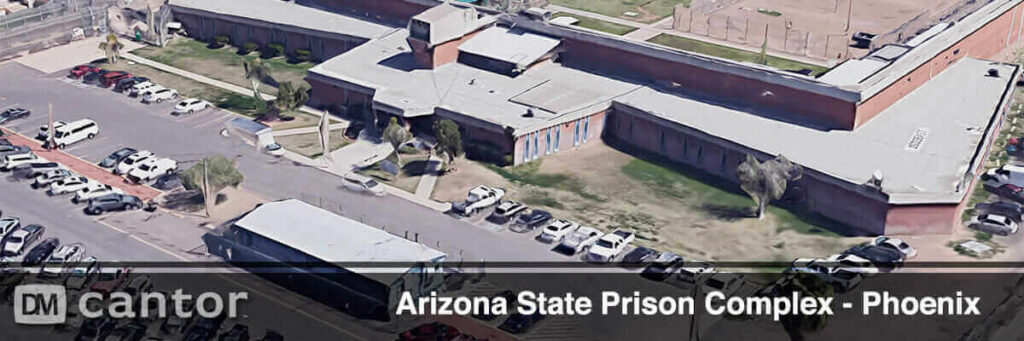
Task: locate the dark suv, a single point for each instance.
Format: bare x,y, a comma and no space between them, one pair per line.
113,202
34,169
40,252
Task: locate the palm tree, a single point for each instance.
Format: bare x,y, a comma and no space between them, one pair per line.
807,285
112,48
256,71
396,135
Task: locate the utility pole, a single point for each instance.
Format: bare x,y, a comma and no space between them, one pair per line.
849,15
49,144
206,190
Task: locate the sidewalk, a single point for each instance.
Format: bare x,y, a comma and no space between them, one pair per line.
648,31
82,167
210,81
429,178
74,53
308,130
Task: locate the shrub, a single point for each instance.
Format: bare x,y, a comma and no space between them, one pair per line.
249,47
221,41
274,50
303,55
486,152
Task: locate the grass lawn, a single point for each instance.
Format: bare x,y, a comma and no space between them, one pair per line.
648,10
224,64
599,25
731,53
413,167
299,120
309,144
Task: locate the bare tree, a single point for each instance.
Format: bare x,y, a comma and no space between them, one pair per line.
766,181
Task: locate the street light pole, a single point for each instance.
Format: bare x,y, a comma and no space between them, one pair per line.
849,15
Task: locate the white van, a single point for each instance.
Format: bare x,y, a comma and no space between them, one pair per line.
1007,174
10,161
74,132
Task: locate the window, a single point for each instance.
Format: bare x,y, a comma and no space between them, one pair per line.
661,145
558,136
700,153
576,134
586,128
721,165
536,146
547,141
526,149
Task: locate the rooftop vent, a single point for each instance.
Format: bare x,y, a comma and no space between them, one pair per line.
993,72
528,113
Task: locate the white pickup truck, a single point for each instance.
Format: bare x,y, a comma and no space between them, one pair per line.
478,198
610,246
151,169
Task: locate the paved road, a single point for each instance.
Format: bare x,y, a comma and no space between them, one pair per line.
126,122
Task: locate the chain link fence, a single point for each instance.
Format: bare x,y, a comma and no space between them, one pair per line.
950,12
51,24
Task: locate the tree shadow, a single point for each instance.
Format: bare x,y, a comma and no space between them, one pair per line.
728,213
419,167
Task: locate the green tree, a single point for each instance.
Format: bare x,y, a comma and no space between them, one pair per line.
219,172
762,57
111,48
256,71
766,181
288,98
449,139
807,285
396,135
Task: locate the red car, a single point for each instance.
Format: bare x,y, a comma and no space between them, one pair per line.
1011,192
82,70
109,279
112,77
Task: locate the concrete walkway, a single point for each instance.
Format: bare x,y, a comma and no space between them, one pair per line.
645,32
308,130
61,57
429,178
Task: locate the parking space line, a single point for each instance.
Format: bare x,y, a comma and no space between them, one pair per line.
213,121
82,145
157,247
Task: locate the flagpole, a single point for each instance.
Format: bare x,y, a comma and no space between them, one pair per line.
49,146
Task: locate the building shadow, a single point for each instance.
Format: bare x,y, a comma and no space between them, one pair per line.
403,62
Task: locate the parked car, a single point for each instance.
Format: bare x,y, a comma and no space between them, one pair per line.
430,331
167,182
852,263
530,221
65,257
150,169
274,149
112,77
138,285
1010,191
139,88
13,160
238,332
82,70
12,150
74,132
131,161
518,323
94,190
361,183
126,84
40,252
8,225
44,180
478,198
129,332
94,77
159,95
662,267
116,157
885,259
191,105
692,272
508,295
896,244
557,230
727,283
69,184
113,202
638,256
13,114
44,130
18,241
96,328
506,211
607,248
1011,210
109,279
34,169
579,241
82,274
994,224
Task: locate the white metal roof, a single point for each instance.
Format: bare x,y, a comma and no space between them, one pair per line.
955,107
334,238
514,46
852,71
288,13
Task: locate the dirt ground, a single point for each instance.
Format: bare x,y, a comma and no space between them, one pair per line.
670,223
816,28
